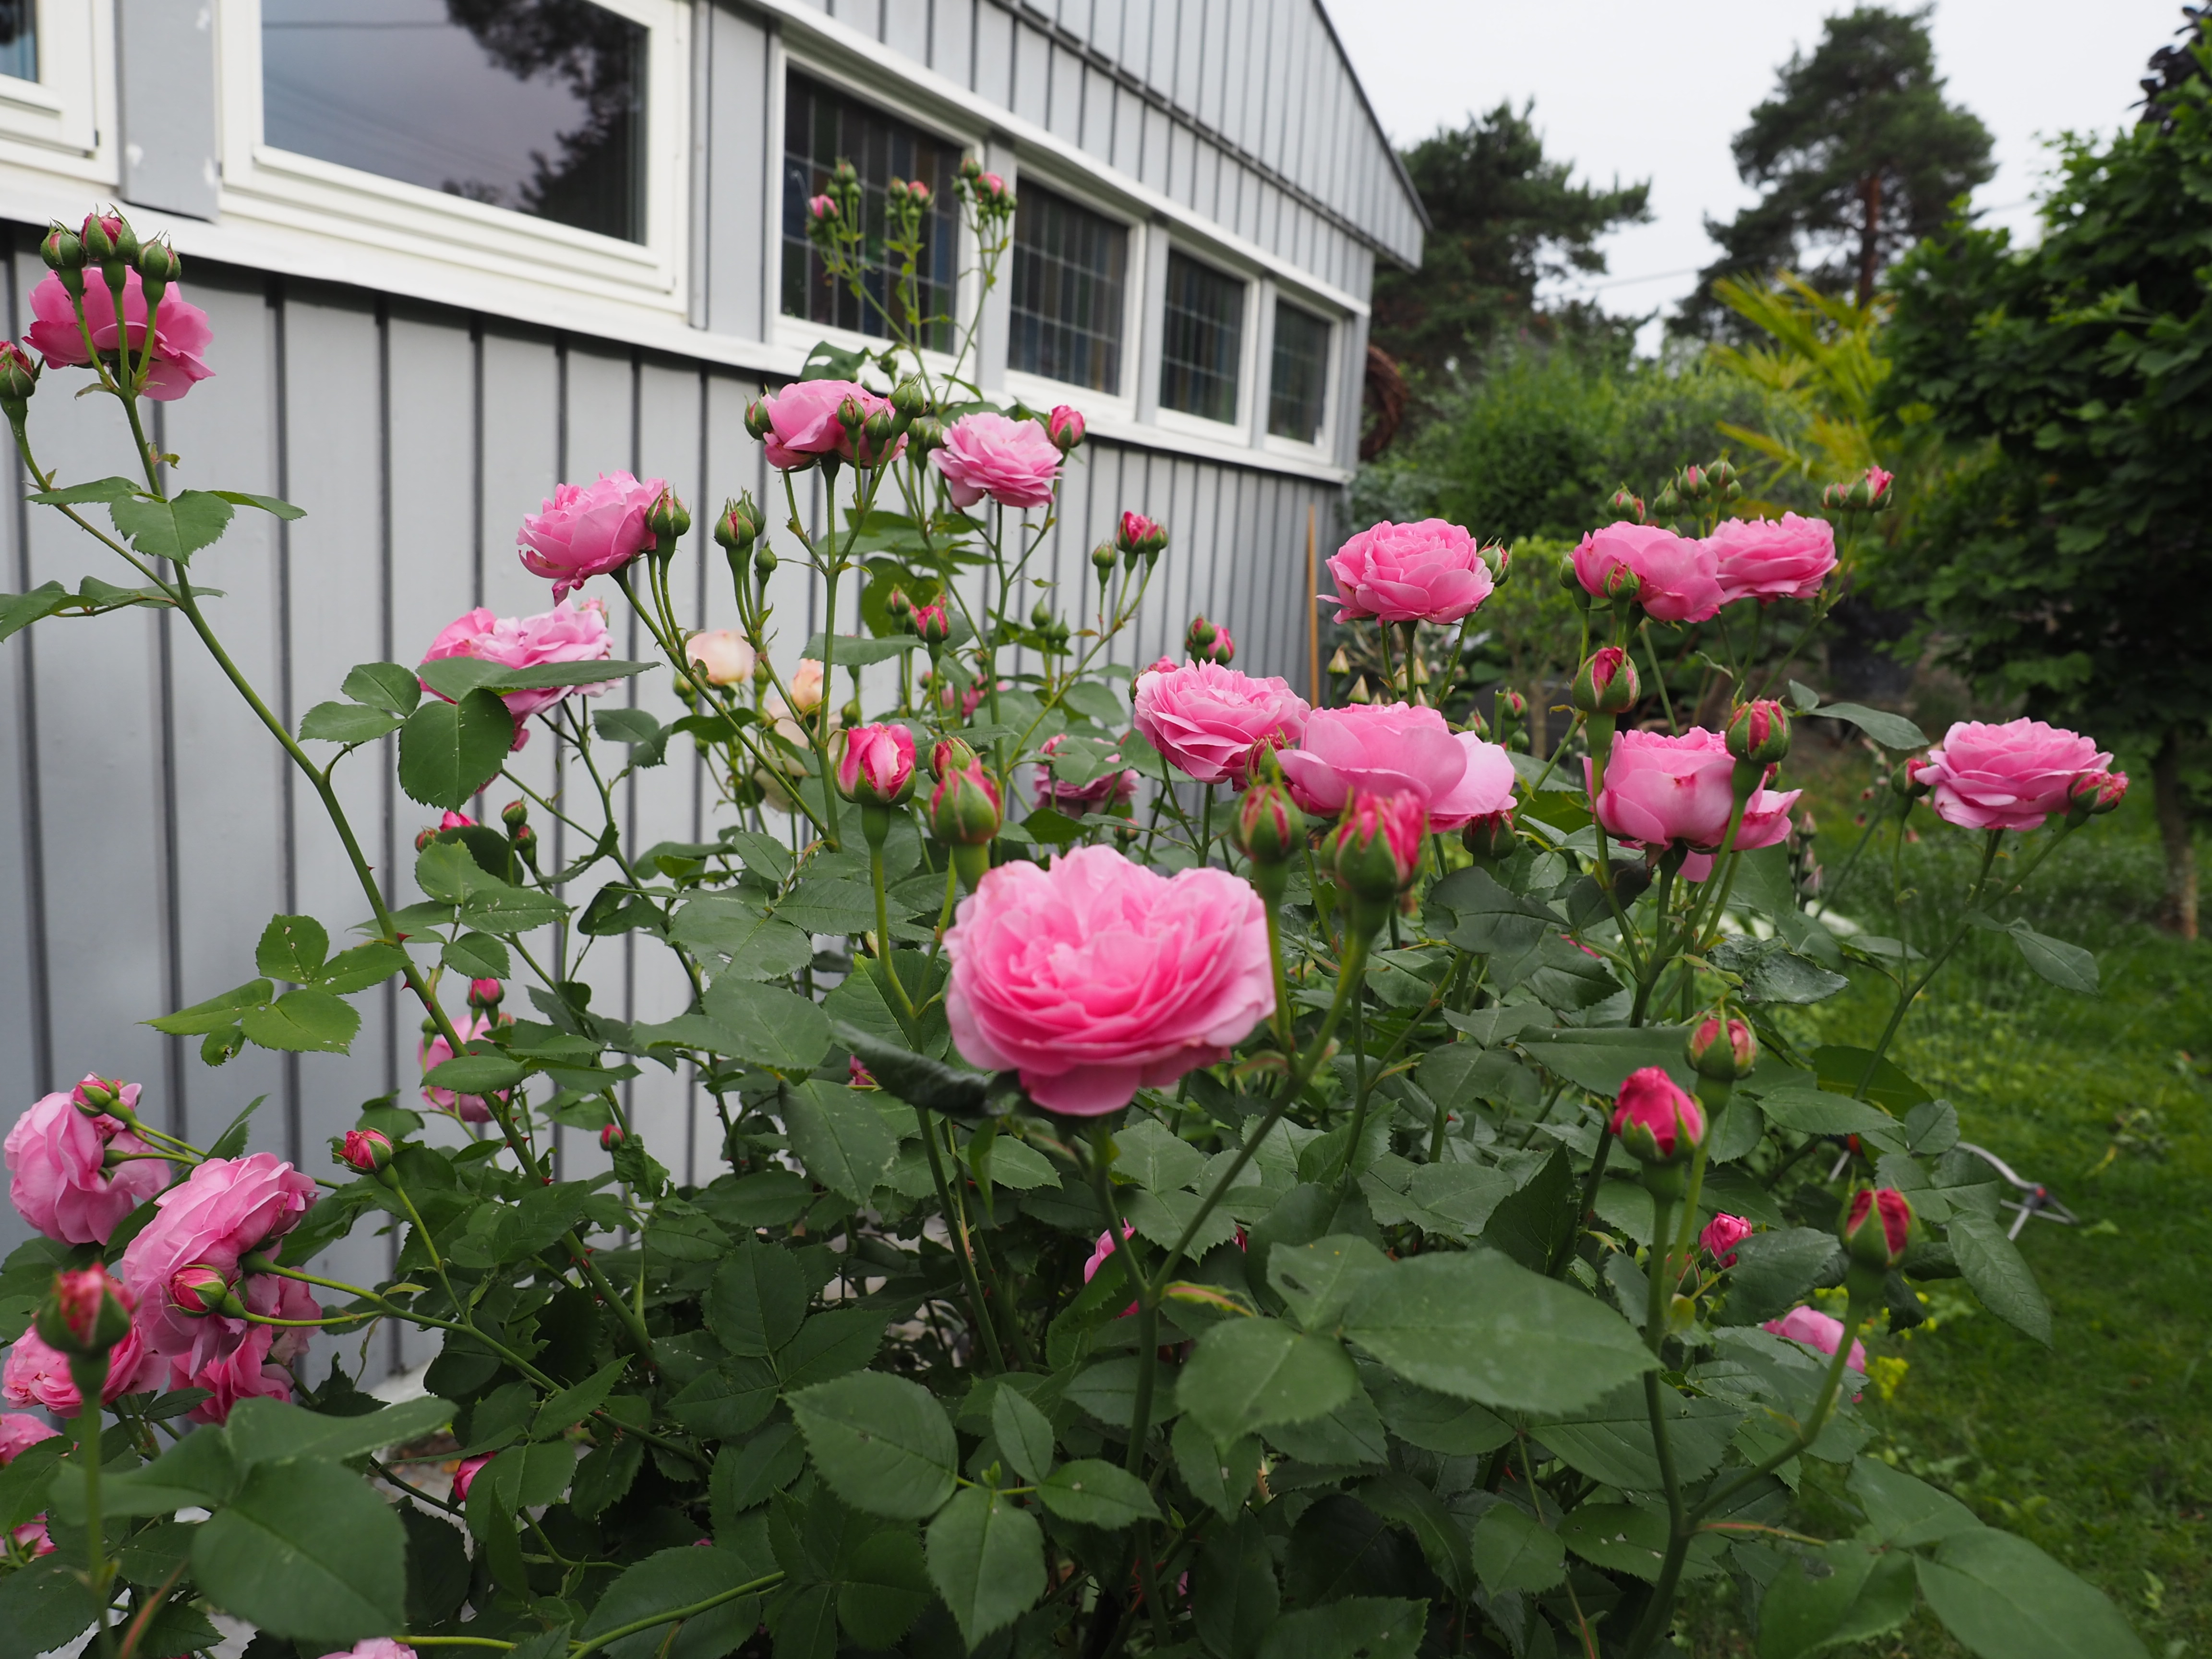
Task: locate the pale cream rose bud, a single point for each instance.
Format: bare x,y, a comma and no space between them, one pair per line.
722,656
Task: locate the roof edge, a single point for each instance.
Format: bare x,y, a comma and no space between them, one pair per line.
1397,163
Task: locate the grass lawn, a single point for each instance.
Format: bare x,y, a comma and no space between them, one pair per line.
2099,1450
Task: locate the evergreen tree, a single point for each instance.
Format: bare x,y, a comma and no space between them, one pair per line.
1858,157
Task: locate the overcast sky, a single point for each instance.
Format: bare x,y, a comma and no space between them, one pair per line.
1655,89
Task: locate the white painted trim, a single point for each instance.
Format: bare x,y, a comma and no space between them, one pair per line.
266,185
65,120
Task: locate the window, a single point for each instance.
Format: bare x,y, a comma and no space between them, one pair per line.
19,38
1203,340
1297,388
535,105
1070,267
823,127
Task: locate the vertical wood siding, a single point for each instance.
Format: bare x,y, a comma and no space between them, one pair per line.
153,828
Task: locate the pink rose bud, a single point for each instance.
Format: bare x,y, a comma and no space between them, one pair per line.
858,1076
1201,642
104,237
1915,778
1655,1119
933,622
159,265
1693,483
918,193
1721,1052
1877,1227
668,518
1066,426
199,1289
1870,493
1721,1236
2096,792
948,756
19,372
1269,829
900,608
1626,503
96,1095
722,656
1490,836
1759,733
514,814
756,420
63,249
366,1150
1499,558
612,1136
739,525
1375,851
821,208
1141,535
456,821
85,1315
964,809
485,992
876,768
466,1474
1606,683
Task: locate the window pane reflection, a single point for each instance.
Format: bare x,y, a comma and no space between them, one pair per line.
537,105
19,38
1203,336
1298,388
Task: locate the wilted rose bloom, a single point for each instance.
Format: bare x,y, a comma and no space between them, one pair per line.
1428,571
587,529
1660,788
723,656
1721,1236
58,1175
37,1374
227,1208
1098,977
1768,559
1677,575
1392,748
1765,822
1077,799
1204,718
181,333
1815,1329
435,1051
1015,463
575,632
804,424
2011,776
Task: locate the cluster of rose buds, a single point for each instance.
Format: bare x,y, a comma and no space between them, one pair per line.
1206,641
1867,493
1139,537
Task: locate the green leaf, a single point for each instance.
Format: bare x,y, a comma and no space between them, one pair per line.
839,1137
1478,1327
987,1560
283,509
757,1300
362,967
573,1404
1817,1112
449,751
346,723
19,611
2000,1275
749,1475
457,677
2068,966
1622,1538
667,1581
859,650
1861,1592
1841,1069
1154,1158
173,529
306,1549
216,1012
1512,1553
1318,1280
306,1021
1773,1271
293,948
200,1469
1095,1493
1772,972
1436,1422
98,489
1487,918
384,685
916,1079
1397,1497
1600,1058
476,956
886,1586
27,1478
1612,1441
45,1606
1890,730
477,1074
1902,1510
1365,1625
273,1430
1235,1599
1252,1374
882,1444
754,946
1023,1432
2005,1599
768,1026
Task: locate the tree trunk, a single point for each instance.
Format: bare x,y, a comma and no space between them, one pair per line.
2178,914
1869,236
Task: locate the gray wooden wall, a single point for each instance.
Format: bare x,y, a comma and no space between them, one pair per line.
154,827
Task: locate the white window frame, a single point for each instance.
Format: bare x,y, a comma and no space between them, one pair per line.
1041,391
1237,430
1332,373
68,112
275,187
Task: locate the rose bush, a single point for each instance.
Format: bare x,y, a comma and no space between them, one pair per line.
1319,1181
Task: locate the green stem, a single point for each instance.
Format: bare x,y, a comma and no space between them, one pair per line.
986,1341
605,1638
1148,1304
1908,995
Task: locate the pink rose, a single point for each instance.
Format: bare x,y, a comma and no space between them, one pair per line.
2006,777
722,656
803,424
1660,789
1676,575
181,333
1765,822
464,1476
1015,463
568,633
1098,977
1077,799
1105,1247
1389,749
386,1647
1204,718
236,1359
1815,1329
58,1179
19,1433
1425,572
587,529
1721,1236
1768,559
227,1208
435,1051
38,1374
